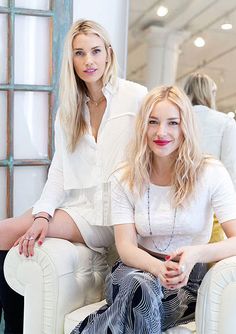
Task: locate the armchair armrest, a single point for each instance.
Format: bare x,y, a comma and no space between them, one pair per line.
216,302
59,278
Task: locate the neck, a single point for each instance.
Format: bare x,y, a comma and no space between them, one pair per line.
162,172
95,90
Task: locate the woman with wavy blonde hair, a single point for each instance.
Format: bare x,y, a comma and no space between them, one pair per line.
93,126
162,204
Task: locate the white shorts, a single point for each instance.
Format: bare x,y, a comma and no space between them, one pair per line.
98,238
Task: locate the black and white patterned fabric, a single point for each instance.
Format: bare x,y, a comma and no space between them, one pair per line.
138,304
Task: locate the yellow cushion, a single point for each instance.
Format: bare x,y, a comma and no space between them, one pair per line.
217,232
216,235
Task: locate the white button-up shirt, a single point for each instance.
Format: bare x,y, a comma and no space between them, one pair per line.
79,179
217,136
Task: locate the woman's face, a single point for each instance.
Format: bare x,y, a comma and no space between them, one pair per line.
164,134
89,57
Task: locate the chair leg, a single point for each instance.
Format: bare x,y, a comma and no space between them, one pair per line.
12,303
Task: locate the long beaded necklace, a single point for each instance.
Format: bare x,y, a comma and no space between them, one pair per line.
149,223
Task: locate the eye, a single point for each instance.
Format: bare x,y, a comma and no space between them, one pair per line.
173,123
152,122
78,53
96,51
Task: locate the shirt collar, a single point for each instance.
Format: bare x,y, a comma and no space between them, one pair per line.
109,89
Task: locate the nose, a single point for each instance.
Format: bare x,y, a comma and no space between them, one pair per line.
88,59
161,130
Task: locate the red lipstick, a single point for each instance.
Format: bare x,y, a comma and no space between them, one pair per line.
161,142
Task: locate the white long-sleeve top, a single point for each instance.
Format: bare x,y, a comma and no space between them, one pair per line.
218,136
190,224
80,179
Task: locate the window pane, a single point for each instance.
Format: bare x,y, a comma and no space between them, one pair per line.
32,50
3,125
30,125
28,185
3,192
3,48
4,3
33,4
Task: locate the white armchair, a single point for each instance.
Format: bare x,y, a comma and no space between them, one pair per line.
63,282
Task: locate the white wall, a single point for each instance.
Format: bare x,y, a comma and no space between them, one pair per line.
113,16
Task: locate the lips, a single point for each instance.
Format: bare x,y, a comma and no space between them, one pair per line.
90,70
162,142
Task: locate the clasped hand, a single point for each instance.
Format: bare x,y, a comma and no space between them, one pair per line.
175,271
37,231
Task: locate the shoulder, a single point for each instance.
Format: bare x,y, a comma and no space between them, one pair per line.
118,185
213,171
213,115
131,87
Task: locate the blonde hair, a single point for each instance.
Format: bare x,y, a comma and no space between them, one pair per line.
189,158
72,89
200,89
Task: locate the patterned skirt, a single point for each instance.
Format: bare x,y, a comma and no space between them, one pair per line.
138,304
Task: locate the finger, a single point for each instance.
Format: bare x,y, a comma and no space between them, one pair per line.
171,265
21,240
25,247
31,244
176,279
179,285
42,238
175,255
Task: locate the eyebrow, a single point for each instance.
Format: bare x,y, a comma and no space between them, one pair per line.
93,48
170,118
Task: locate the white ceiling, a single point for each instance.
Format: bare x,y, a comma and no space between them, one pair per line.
197,17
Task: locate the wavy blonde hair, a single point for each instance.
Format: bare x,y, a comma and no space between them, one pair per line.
201,89
72,89
189,158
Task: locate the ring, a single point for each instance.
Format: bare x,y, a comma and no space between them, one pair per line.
182,268
29,238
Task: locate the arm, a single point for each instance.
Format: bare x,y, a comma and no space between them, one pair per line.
130,254
222,199
52,196
53,192
220,250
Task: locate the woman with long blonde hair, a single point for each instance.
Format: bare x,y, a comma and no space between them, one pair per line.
163,200
93,126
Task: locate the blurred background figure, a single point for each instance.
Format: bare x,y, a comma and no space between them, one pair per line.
217,134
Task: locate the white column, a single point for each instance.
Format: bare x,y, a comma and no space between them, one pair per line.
113,16
162,55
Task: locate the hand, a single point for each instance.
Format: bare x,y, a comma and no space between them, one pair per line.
164,271
26,242
187,257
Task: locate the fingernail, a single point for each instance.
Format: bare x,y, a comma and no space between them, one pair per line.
167,257
20,253
40,242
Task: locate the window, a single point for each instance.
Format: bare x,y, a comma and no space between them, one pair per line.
32,34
